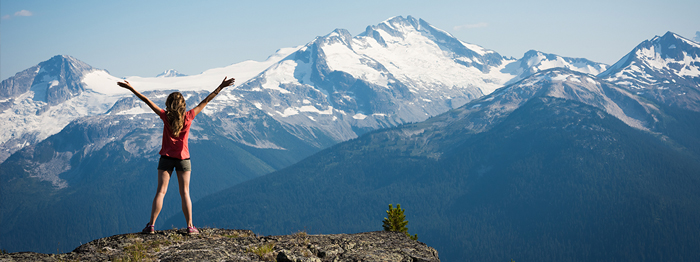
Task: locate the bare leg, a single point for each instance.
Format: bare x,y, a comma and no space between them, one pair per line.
163,179
183,179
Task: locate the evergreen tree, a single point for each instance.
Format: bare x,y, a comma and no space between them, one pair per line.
396,221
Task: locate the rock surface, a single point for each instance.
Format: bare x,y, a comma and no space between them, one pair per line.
242,245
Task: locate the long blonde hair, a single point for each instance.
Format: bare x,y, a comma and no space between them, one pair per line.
175,110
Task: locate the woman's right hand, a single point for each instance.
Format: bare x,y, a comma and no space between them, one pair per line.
143,98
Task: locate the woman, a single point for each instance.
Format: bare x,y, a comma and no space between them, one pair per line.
174,152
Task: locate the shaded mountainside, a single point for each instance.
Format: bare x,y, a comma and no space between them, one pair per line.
555,178
242,245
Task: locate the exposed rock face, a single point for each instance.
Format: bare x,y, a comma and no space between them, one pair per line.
242,245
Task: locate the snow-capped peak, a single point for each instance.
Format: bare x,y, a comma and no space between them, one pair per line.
535,61
400,70
670,51
52,81
665,68
565,84
170,73
400,28
669,36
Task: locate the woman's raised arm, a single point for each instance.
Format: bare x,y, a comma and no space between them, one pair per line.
225,83
143,98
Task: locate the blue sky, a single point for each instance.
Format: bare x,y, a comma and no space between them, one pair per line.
144,38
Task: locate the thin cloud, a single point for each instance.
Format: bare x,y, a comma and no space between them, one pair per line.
697,36
18,13
470,26
23,13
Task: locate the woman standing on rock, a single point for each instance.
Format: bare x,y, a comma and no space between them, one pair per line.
174,152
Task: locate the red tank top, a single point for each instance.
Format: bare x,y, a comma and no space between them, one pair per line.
176,147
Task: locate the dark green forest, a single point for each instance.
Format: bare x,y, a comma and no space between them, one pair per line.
555,180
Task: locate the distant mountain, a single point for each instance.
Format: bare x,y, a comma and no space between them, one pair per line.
40,101
170,73
559,166
53,81
399,71
535,61
665,69
339,86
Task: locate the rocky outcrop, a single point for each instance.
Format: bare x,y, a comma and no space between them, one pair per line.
242,245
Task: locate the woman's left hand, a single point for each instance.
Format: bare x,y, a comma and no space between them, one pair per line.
227,82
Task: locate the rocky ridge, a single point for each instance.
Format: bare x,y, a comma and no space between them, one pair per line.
242,245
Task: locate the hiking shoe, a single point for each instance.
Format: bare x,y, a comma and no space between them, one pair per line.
192,230
148,229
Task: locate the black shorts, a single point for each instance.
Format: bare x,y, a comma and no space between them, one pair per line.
168,163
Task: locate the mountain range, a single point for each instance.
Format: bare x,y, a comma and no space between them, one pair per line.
336,86
64,171
560,165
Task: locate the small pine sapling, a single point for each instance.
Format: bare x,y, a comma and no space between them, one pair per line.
396,221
